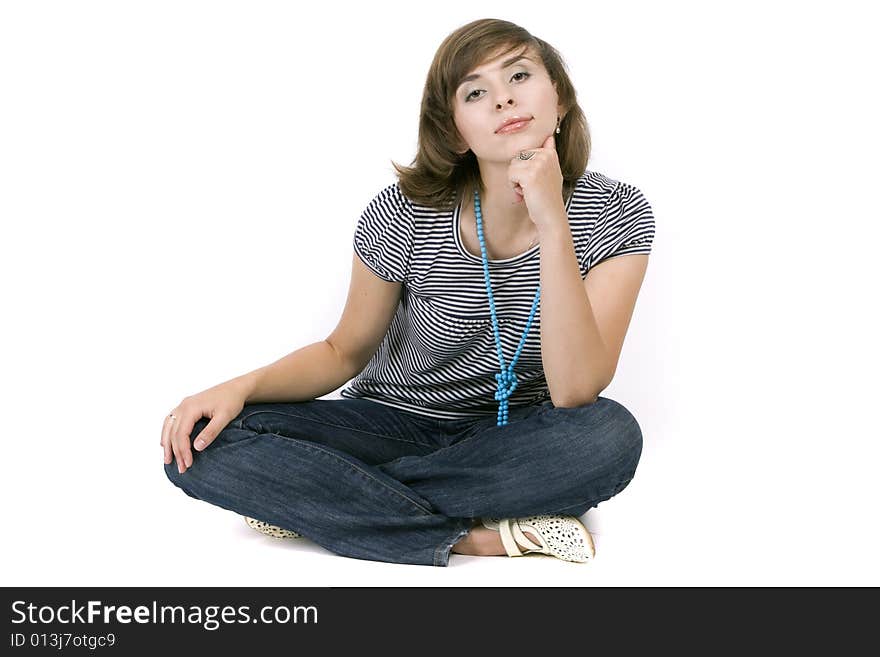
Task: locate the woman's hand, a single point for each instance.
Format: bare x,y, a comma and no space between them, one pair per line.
221,403
538,182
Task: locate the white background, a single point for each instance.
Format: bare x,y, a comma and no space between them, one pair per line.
179,184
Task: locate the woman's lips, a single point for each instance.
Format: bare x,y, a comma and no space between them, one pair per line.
514,127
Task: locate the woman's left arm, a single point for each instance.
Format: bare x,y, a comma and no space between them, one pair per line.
583,322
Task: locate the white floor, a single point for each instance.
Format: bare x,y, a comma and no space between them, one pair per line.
130,526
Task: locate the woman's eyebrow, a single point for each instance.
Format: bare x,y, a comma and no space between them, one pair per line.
509,62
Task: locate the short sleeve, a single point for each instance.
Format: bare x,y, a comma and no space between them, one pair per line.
384,233
624,227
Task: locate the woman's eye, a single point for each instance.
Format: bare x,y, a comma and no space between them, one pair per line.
468,97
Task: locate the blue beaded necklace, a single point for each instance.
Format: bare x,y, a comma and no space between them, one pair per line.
506,379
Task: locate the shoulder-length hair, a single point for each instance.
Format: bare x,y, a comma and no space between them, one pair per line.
441,174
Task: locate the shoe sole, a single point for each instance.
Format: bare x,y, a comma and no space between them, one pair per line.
270,530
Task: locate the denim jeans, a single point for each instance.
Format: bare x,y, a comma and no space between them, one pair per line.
370,481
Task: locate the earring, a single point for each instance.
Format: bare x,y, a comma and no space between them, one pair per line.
557,124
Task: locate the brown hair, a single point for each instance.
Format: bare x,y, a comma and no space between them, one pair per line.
439,176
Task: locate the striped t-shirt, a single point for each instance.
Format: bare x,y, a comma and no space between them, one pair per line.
439,356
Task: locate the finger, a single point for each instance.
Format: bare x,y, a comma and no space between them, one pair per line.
182,455
177,439
184,442
516,192
178,458
550,142
166,441
166,429
209,433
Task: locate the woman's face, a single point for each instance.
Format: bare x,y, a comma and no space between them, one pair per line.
506,89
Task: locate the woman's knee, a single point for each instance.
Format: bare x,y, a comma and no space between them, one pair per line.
613,434
200,467
182,481
604,460
626,432
629,432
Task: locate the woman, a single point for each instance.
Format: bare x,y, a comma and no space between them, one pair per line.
477,342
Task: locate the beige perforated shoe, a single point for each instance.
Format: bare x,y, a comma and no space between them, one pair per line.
270,530
564,537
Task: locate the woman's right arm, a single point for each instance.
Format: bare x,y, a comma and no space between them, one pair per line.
308,373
